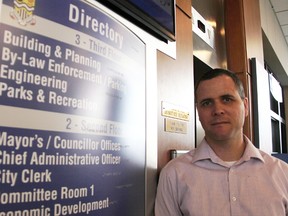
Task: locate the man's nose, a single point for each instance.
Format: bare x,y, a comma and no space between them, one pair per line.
218,108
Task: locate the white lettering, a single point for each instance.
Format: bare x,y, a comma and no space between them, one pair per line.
77,15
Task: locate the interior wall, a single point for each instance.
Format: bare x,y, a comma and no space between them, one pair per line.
275,46
175,86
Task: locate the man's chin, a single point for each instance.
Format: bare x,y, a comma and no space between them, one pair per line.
220,136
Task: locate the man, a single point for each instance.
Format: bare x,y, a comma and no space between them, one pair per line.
225,174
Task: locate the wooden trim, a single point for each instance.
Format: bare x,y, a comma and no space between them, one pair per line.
235,36
185,6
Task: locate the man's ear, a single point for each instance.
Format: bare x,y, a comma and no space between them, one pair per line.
246,106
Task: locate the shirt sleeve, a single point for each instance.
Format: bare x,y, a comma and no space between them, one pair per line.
166,199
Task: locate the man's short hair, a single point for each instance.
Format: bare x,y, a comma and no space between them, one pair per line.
220,72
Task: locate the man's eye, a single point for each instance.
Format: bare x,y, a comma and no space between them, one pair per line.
205,103
227,99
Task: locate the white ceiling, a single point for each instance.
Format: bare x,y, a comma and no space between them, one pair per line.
281,10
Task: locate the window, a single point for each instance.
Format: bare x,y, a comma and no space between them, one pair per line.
277,114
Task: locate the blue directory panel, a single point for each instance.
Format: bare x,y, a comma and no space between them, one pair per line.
72,111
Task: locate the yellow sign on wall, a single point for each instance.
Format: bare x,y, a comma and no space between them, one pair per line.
175,126
173,111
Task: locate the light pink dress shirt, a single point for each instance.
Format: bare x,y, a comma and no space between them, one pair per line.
199,183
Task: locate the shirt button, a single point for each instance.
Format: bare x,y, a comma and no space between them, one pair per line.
234,199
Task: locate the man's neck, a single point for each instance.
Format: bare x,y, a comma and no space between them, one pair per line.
228,150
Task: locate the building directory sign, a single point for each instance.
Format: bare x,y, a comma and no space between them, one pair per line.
72,111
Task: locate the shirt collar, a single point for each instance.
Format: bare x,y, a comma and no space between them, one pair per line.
204,151
251,151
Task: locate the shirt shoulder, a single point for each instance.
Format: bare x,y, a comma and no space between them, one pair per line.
180,163
277,169
272,162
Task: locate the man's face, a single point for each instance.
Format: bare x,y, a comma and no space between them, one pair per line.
221,110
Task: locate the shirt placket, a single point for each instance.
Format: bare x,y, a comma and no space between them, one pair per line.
233,191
